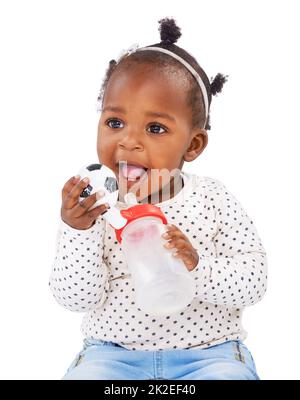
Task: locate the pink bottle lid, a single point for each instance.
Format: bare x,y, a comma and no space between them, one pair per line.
139,211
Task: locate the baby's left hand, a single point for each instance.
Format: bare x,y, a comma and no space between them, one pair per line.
184,248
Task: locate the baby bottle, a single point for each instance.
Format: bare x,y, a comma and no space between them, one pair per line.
163,284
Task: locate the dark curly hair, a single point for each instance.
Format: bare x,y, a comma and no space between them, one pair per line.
169,33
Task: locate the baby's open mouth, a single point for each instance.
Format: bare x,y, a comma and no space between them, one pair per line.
131,172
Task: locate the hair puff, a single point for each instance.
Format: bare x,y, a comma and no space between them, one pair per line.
217,83
169,31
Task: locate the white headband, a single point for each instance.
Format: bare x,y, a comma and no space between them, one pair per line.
190,68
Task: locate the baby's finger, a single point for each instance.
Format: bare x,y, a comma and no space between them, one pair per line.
68,186
95,212
84,205
73,197
174,233
185,255
177,243
171,227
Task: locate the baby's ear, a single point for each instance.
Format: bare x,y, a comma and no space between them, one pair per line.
199,140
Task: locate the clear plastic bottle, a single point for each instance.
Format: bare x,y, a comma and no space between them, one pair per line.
162,282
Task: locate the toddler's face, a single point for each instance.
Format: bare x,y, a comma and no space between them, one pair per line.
128,132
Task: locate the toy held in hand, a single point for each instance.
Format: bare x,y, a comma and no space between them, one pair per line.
100,178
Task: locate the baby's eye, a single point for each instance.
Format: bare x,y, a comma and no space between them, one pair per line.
113,120
157,128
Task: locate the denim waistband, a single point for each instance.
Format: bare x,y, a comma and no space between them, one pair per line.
99,342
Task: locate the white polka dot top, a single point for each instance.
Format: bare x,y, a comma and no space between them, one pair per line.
90,275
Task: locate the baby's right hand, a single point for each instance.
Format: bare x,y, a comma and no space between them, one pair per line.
74,212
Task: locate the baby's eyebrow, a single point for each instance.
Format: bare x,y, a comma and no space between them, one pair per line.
148,113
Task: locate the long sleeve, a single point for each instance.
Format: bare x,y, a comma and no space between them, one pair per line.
79,276
237,275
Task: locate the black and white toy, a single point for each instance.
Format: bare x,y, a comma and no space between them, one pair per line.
100,178
103,178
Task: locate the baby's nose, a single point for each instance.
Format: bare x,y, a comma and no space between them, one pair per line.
131,142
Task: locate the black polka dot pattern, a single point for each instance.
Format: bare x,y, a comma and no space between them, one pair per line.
90,274
79,279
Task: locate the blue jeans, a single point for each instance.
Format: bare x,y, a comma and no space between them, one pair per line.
100,360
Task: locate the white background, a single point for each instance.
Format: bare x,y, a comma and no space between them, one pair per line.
53,58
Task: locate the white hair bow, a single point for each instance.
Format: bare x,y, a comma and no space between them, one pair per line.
127,52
